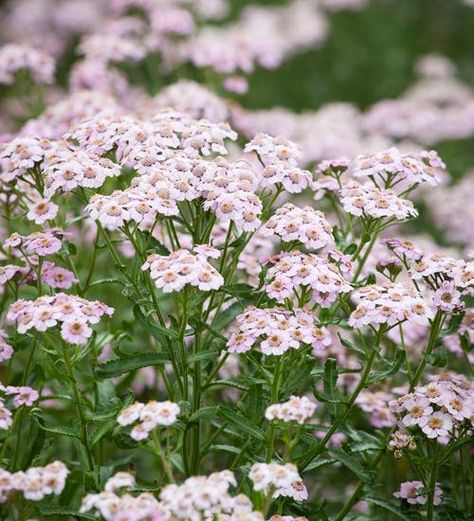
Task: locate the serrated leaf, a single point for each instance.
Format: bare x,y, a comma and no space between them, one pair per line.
352,464
227,316
209,412
240,421
36,416
387,505
155,330
120,366
64,511
392,369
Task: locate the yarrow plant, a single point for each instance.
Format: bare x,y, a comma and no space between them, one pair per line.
209,313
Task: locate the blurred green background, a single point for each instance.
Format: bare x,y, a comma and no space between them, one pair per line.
370,55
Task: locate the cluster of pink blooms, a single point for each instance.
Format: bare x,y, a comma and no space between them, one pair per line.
414,492
15,58
370,201
438,107
292,270
399,441
148,416
277,330
75,314
22,396
438,268
297,408
279,157
441,409
392,166
113,507
305,225
34,483
375,403
389,303
43,243
452,218
194,99
207,497
283,480
52,275
283,31
6,350
173,272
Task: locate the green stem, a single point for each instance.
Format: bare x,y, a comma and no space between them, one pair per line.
80,409
347,409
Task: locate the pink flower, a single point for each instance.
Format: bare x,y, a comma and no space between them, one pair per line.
23,395
436,425
57,277
75,332
414,492
42,211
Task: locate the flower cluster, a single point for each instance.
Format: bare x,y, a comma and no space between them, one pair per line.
298,409
441,409
370,201
6,350
414,492
15,58
304,225
114,507
277,330
400,441
282,480
389,303
173,272
207,497
75,314
149,416
324,279
22,396
42,243
375,403
34,483
279,156
391,166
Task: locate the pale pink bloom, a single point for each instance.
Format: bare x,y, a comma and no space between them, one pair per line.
436,425
57,277
298,409
237,84
42,211
447,298
130,415
418,409
297,491
75,332
120,480
412,492
22,395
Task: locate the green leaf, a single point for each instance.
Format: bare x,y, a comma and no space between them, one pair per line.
102,429
155,246
36,416
227,316
352,464
439,358
152,328
123,365
387,505
66,512
209,412
351,249
453,325
393,368
240,421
